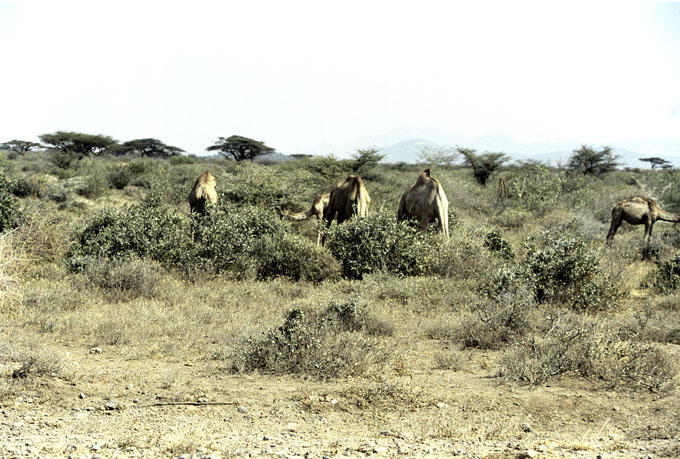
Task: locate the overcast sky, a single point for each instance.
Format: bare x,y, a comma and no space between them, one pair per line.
299,73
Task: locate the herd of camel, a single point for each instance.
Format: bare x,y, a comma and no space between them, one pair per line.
424,201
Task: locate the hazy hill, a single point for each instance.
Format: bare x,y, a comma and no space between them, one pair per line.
404,144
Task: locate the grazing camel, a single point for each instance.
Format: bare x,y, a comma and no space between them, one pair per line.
639,211
202,192
347,198
425,201
317,209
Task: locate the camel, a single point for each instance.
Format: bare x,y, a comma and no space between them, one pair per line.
202,192
317,209
639,211
347,198
426,201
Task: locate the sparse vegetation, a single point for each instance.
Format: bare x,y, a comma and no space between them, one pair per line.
107,282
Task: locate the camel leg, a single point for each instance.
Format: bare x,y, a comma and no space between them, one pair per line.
424,221
649,226
616,222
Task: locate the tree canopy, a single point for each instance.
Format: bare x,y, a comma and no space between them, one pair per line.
20,146
240,148
438,156
655,162
152,148
587,160
483,165
78,144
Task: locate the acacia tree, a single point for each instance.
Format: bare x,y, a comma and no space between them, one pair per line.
655,162
365,159
587,160
483,165
438,156
20,146
152,148
239,148
77,144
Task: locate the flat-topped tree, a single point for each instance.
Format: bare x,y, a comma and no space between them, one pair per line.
78,144
152,148
655,162
20,146
240,148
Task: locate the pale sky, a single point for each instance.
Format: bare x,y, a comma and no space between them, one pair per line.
299,73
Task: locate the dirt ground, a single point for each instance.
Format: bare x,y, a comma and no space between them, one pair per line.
112,406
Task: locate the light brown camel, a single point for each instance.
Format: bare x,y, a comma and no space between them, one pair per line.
317,209
347,199
425,201
202,192
639,211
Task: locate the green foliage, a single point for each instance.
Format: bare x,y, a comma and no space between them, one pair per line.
325,345
562,271
666,277
9,209
151,148
379,243
146,230
20,147
586,160
78,145
294,257
495,243
536,187
240,148
364,161
483,165
228,236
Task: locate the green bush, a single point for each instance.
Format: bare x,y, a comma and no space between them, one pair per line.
294,257
379,243
119,176
9,210
325,345
146,230
666,277
228,236
560,271
24,187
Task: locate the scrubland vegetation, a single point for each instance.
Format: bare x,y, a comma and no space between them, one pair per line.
102,252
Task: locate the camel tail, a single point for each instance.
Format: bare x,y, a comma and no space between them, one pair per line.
668,217
443,209
300,215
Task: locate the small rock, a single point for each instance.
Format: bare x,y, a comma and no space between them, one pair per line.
541,449
527,454
95,447
442,405
96,350
242,409
334,402
130,386
526,427
111,405
601,456
82,396
291,426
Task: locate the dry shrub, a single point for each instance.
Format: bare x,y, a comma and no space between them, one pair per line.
28,361
326,344
383,395
12,264
124,279
578,345
451,359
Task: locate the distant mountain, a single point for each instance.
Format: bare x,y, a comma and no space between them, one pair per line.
404,144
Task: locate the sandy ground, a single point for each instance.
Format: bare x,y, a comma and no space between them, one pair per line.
111,406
